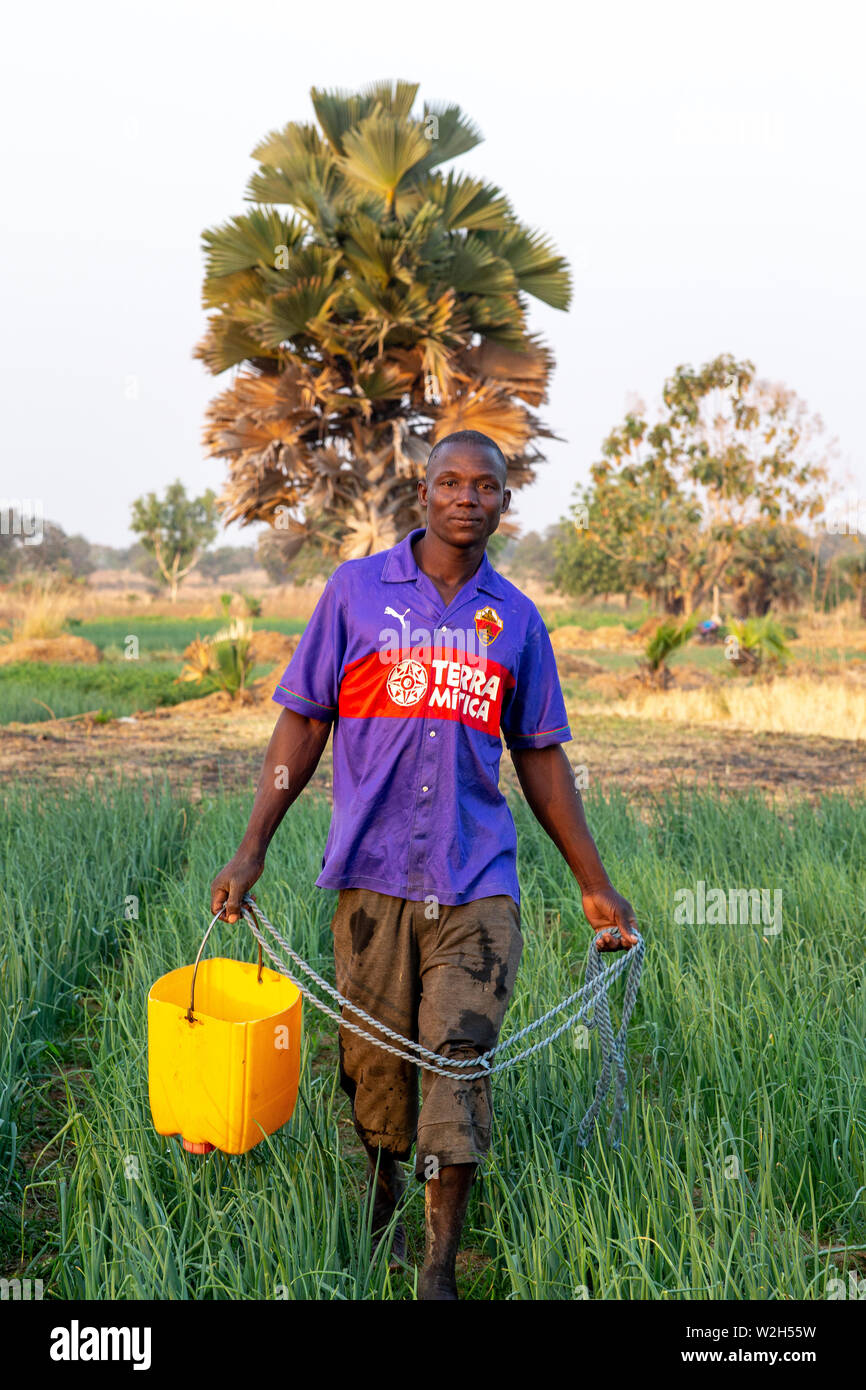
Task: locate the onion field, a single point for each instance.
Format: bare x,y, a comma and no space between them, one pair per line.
743,1167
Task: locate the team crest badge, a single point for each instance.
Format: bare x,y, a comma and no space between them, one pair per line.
488,625
407,682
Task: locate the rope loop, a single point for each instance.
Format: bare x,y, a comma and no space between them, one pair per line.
593,1011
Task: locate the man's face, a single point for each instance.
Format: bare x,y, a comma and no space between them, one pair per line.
465,494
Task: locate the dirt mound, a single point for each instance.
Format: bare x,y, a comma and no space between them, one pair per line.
264,687
692,677
266,646
569,664
648,628
68,649
615,687
569,638
274,646
615,636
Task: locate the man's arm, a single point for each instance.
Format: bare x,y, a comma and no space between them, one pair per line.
296,746
548,784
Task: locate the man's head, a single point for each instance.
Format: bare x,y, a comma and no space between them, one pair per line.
464,489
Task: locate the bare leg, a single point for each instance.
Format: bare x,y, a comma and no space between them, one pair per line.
446,1199
389,1188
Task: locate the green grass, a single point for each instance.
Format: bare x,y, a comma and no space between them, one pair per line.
161,634
743,1155
115,687
595,615
74,867
118,688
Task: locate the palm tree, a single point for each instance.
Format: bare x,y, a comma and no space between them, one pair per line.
668,638
753,640
384,310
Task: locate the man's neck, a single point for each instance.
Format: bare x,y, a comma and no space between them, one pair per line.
448,566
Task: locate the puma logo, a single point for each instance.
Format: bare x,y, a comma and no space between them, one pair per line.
401,618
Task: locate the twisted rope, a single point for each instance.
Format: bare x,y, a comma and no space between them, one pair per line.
594,1011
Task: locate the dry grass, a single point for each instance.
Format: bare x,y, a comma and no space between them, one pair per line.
102,599
42,611
841,628
832,707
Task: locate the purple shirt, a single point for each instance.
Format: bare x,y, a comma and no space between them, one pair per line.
421,695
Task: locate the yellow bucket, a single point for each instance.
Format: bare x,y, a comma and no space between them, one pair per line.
224,1053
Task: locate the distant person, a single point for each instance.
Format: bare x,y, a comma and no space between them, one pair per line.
423,658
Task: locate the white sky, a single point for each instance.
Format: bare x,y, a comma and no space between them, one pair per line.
701,166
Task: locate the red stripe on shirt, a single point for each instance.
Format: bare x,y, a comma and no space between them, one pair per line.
439,684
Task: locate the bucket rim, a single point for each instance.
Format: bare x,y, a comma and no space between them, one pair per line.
273,977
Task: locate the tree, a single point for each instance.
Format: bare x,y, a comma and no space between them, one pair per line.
583,563
533,554
67,556
852,564
769,567
227,559
499,547
286,559
669,500
385,310
175,531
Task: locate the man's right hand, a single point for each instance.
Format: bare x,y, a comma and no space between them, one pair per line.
231,883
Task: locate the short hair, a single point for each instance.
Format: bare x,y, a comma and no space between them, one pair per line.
474,438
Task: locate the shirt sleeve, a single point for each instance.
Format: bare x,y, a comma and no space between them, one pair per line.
310,684
534,716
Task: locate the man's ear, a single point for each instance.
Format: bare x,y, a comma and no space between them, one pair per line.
506,500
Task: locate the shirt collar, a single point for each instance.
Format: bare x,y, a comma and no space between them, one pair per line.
401,565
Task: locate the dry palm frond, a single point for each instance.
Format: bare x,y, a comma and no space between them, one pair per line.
199,660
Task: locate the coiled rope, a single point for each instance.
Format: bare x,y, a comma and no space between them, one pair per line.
593,1011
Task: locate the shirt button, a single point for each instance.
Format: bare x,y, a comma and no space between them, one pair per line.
425,789
432,733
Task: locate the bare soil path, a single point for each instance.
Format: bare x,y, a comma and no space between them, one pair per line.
204,748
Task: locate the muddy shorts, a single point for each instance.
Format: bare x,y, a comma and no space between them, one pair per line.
444,981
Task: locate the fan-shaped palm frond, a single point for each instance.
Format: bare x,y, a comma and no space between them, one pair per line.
381,151
248,241
449,134
540,270
466,203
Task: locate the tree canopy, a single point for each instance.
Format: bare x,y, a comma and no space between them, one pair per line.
371,304
725,472
175,530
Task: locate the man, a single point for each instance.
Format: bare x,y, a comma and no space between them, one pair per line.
422,657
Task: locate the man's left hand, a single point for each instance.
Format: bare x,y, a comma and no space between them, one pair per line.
605,910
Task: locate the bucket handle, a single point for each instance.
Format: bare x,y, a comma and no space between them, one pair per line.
189,1013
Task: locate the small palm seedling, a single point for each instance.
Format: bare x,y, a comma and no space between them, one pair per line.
233,657
667,639
756,641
